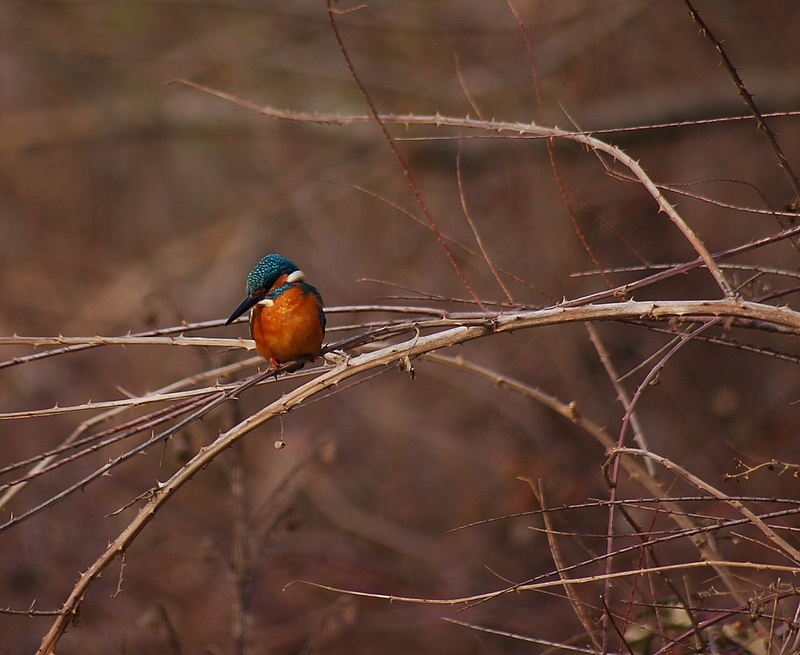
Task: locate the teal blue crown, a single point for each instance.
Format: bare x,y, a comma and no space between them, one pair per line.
267,272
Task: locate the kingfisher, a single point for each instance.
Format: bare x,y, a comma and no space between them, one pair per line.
286,317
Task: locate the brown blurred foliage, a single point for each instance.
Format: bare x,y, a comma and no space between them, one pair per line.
127,204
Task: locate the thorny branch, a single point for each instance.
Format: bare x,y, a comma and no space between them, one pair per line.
748,100
387,344
500,127
410,348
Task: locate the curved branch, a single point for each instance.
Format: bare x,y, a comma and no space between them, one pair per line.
501,126
412,347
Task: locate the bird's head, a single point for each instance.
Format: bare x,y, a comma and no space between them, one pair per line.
270,270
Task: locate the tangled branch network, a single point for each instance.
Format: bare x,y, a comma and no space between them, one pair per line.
403,334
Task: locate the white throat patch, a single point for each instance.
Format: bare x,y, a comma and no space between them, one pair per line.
295,276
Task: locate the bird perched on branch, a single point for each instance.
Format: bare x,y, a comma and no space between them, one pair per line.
286,317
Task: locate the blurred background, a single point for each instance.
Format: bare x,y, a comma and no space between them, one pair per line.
129,204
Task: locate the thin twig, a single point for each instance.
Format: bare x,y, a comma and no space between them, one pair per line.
502,127
475,232
555,551
398,157
748,100
787,549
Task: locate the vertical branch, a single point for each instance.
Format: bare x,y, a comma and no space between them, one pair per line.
240,559
600,268
653,373
172,634
555,551
551,154
400,161
465,89
622,395
475,232
626,419
748,100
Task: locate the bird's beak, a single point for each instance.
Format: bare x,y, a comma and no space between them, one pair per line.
247,303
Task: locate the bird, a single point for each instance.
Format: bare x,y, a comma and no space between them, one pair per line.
287,320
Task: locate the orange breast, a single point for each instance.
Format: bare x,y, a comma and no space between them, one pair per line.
288,329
